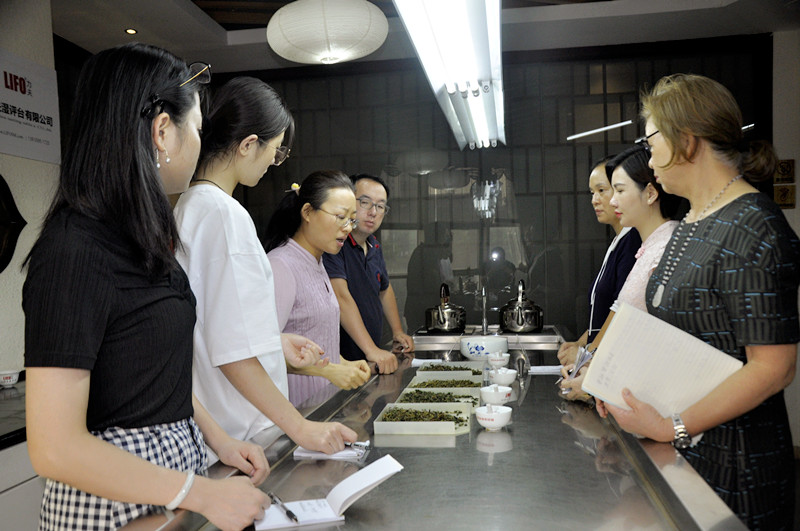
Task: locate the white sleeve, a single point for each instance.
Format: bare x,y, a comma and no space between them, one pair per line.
232,281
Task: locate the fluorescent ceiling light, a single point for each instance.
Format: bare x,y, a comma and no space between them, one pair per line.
600,130
458,44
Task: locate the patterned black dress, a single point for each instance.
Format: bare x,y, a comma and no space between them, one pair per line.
736,285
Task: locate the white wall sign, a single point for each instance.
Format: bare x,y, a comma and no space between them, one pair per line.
28,110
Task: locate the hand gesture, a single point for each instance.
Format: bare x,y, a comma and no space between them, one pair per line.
247,457
301,352
385,361
348,374
230,504
568,352
402,344
327,437
571,387
642,419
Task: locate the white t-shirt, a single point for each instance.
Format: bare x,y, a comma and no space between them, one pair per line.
236,314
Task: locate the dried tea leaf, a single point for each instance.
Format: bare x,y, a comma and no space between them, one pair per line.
446,383
443,367
423,415
428,396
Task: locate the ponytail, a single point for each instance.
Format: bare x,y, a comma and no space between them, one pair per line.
314,190
284,221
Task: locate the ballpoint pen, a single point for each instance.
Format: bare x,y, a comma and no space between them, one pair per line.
289,514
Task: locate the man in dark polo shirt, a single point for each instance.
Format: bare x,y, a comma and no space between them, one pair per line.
361,283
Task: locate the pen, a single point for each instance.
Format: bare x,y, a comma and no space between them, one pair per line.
357,444
289,514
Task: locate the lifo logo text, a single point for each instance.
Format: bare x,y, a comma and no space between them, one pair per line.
17,83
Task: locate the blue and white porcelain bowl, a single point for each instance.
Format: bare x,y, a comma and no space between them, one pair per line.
478,348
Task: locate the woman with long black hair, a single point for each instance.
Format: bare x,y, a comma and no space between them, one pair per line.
109,313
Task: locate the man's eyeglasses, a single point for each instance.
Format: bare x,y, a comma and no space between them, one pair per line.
281,154
342,221
643,141
367,204
200,73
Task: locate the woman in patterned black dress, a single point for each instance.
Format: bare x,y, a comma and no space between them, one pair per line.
729,276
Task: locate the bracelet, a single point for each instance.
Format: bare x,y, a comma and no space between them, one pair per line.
171,506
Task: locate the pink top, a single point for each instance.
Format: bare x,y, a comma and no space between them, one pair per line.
647,258
307,306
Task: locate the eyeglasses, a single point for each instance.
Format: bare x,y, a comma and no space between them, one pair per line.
201,73
341,220
281,154
365,203
643,141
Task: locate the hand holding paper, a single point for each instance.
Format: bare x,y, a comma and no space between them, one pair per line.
660,364
642,418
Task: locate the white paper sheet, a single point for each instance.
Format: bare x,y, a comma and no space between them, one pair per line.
661,364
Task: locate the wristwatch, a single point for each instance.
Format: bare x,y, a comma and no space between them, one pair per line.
682,439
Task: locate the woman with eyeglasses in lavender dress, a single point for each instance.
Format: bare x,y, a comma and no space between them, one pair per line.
311,220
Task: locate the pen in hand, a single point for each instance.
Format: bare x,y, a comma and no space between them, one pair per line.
289,514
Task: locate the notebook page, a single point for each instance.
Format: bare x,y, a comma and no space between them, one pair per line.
353,487
661,364
308,512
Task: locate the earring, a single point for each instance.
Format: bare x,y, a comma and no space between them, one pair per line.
166,158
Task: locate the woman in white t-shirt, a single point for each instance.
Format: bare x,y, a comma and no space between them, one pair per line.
638,202
239,366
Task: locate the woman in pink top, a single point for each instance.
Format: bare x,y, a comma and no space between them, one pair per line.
313,219
639,202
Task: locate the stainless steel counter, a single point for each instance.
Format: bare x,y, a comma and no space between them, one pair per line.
556,466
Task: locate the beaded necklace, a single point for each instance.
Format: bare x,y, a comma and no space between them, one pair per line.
672,260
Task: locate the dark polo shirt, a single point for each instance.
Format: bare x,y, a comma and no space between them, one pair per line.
366,278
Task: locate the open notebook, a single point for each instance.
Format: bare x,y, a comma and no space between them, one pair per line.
332,507
661,364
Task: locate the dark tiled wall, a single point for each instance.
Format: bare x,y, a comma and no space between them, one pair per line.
374,118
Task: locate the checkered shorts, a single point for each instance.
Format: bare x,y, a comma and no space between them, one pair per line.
177,445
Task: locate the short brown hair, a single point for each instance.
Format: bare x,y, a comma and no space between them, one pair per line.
701,107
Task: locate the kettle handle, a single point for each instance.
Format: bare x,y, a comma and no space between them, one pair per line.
444,291
520,295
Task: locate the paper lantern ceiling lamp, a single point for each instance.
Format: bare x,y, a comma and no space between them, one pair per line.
326,31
